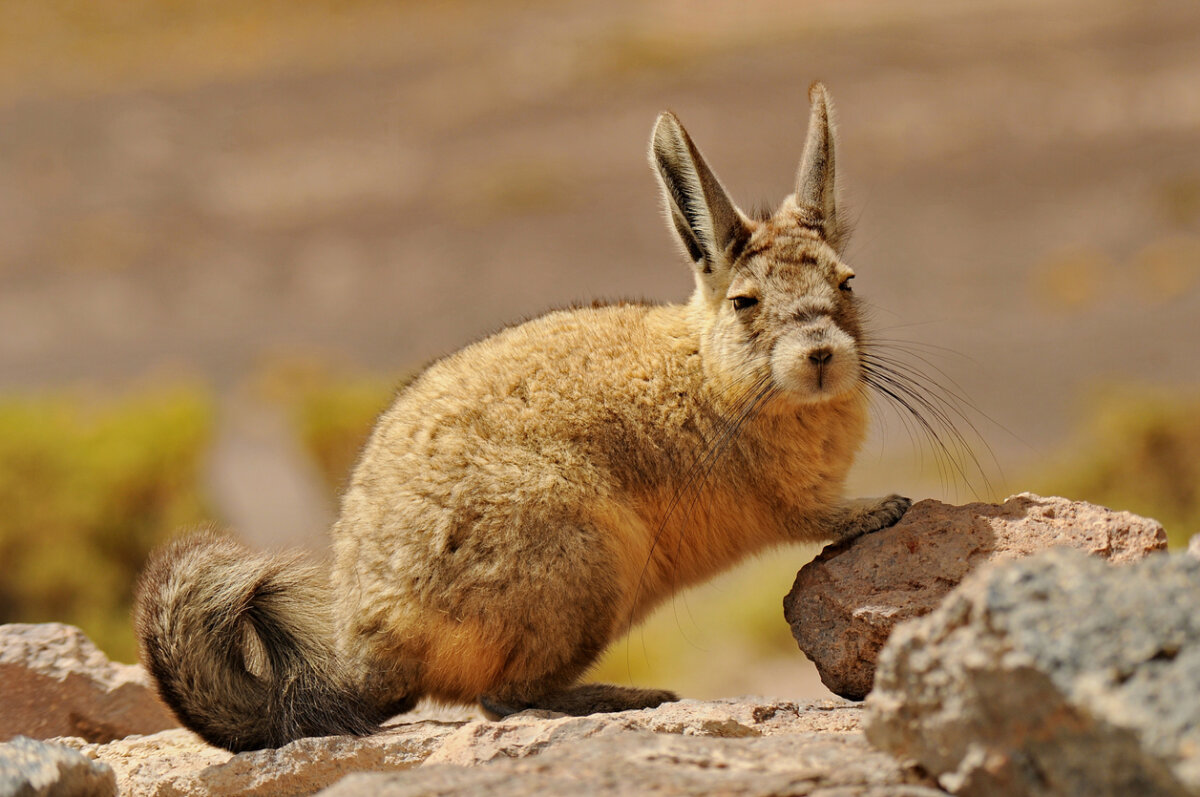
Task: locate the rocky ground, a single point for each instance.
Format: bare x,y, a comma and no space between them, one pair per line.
1015,661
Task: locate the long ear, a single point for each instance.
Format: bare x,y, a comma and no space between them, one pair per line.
709,225
816,184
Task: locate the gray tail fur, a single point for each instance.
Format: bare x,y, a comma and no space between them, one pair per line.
241,646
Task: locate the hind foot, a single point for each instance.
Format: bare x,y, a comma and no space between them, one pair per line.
578,701
865,515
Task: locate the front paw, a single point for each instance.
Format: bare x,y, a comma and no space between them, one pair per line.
871,514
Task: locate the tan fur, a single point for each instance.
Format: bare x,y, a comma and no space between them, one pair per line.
528,498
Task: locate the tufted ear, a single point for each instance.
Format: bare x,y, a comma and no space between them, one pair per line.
708,224
816,184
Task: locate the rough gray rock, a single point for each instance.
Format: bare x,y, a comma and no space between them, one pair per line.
638,762
846,602
57,683
30,768
1056,675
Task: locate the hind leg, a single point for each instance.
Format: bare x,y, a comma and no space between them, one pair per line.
578,700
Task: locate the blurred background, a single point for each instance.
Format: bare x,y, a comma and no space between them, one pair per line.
229,230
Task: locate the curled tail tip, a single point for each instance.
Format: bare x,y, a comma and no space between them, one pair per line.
239,645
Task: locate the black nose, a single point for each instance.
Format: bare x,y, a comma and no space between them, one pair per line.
820,357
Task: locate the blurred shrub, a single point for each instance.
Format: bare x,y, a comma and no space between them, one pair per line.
1139,451
1072,279
88,489
1179,199
706,642
331,409
1168,268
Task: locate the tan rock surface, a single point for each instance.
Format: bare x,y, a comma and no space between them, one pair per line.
140,762
639,762
845,603
532,732
55,682
453,742
177,762
797,745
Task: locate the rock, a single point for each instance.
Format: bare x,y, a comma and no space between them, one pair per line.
1056,675
142,761
1193,548
764,744
846,602
640,762
57,683
30,768
178,762
531,732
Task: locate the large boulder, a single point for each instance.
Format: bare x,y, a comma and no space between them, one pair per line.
32,768
1056,675
845,603
57,683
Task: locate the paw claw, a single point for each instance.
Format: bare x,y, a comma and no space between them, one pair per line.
870,516
890,510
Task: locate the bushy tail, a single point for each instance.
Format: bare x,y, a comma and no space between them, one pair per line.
241,646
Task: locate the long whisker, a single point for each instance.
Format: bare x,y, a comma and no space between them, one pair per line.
922,352
938,413
932,420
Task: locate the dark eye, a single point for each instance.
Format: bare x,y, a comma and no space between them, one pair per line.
744,302
844,285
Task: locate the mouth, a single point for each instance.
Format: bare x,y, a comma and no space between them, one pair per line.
817,370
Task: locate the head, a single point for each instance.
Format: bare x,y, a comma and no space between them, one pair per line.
773,291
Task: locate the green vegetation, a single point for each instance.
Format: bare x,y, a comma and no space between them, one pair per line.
1139,450
705,642
88,488
331,410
